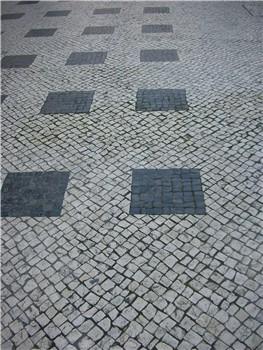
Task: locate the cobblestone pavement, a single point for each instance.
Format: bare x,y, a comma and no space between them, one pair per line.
97,277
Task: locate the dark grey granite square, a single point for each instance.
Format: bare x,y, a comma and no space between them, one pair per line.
12,16
107,11
79,58
40,32
161,100
98,30
158,55
167,191
156,10
27,2
33,194
157,28
68,102
18,61
57,13
3,97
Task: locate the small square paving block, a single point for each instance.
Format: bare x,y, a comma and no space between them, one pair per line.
98,30
156,10
161,100
57,13
40,32
79,58
18,61
167,191
12,16
33,194
107,11
68,102
157,28
159,55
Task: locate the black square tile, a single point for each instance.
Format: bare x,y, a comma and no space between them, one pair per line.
156,10
68,102
18,61
79,58
157,55
27,2
107,11
157,28
40,32
12,16
167,191
161,100
57,13
33,194
98,30
3,97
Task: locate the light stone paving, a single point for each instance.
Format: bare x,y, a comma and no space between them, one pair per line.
97,277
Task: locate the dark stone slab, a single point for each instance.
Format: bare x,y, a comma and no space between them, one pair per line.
158,55
98,30
40,32
167,191
68,102
156,10
33,194
79,58
3,97
27,2
12,16
157,28
161,100
107,11
18,61
57,13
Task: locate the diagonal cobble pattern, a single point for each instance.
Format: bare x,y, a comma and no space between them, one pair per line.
97,277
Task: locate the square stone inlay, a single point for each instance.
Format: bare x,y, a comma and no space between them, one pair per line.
57,13
40,32
79,58
18,61
12,16
158,55
33,194
157,28
68,102
3,97
156,10
98,30
107,11
167,191
161,100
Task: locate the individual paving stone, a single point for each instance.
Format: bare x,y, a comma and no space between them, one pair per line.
40,32
158,55
157,28
33,194
57,13
98,30
156,10
18,61
3,97
79,58
68,102
167,191
107,11
12,16
27,2
161,100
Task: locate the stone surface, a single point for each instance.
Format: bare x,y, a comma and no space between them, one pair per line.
40,32
158,55
12,16
157,28
57,13
156,10
98,30
18,61
107,11
79,58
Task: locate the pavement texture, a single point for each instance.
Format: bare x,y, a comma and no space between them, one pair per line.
95,275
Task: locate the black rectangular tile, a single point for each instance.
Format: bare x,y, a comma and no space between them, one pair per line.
161,100
3,97
157,28
12,16
33,194
27,2
152,192
159,55
107,11
98,30
18,61
68,102
79,58
40,32
57,13
156,10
